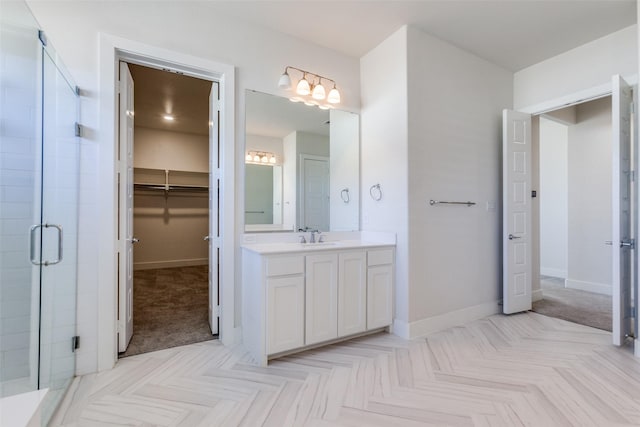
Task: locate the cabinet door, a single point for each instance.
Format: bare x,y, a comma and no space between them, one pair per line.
285,313
321,298
352,293
379,296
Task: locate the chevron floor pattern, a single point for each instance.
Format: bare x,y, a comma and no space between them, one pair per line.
518,370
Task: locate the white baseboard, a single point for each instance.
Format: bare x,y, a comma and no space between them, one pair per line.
598,288
536,295
444,321
170,264
553,272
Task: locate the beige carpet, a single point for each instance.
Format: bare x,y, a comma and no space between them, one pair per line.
585,308
170,308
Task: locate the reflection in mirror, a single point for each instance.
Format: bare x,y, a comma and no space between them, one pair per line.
302,166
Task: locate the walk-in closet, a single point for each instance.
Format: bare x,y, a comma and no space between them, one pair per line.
170,217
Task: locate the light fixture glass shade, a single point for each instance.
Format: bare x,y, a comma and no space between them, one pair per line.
285,81
265,159
334,96
323,107
318,92
249,157
272,159
256,158
303,87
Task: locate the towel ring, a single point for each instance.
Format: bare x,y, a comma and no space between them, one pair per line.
375,192
344,195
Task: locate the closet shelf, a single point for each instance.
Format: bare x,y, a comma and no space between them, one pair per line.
169,180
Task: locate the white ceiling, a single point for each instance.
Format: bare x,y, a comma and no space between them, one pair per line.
510,33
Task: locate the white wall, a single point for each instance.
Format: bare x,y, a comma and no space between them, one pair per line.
289,177
553,196
589,207
159,149
384,142
259,55
578,69
455,143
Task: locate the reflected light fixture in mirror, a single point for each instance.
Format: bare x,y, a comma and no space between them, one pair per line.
260,157
315,90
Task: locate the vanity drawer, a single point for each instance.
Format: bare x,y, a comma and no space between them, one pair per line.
285,265
379,257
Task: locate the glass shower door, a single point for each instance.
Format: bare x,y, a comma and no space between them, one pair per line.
20,154
39,181
59,225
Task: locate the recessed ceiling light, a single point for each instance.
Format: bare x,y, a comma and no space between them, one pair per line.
168,117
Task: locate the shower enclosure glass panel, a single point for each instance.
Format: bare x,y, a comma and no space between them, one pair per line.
39,175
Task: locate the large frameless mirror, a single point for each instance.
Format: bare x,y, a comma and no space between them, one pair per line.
302,166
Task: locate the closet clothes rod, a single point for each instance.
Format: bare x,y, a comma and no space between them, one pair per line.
443,202
171,187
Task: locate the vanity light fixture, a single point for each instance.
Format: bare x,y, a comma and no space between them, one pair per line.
314,90
168,117
260,157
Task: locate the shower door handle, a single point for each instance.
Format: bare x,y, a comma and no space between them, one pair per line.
32,248
60,234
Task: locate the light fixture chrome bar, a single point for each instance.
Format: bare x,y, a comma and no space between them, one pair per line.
305,73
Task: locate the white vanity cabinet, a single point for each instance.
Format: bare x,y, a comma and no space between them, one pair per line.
379,288
298,300
321,298
352,293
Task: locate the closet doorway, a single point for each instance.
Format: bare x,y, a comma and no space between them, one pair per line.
168,211
575,216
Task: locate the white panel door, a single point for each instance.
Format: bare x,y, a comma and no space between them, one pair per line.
315,193
622,247
352,293
125,302
214,203
285,313
516,214
379,296
321,299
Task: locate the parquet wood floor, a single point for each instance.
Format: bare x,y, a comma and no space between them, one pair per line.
518,370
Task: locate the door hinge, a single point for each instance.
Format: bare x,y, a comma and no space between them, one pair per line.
632,176
631,243
217,311
218,105
633,107
78,129
217,173
215,241
43,37
75,343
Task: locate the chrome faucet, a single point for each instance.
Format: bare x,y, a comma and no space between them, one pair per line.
312,236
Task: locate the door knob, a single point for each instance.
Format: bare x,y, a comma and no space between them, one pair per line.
134,240
512,237
205,238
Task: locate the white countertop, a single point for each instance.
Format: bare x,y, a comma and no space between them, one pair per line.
288,247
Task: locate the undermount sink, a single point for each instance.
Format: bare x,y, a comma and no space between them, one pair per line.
308,244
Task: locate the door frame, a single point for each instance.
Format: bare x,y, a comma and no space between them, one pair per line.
591,94
113,49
